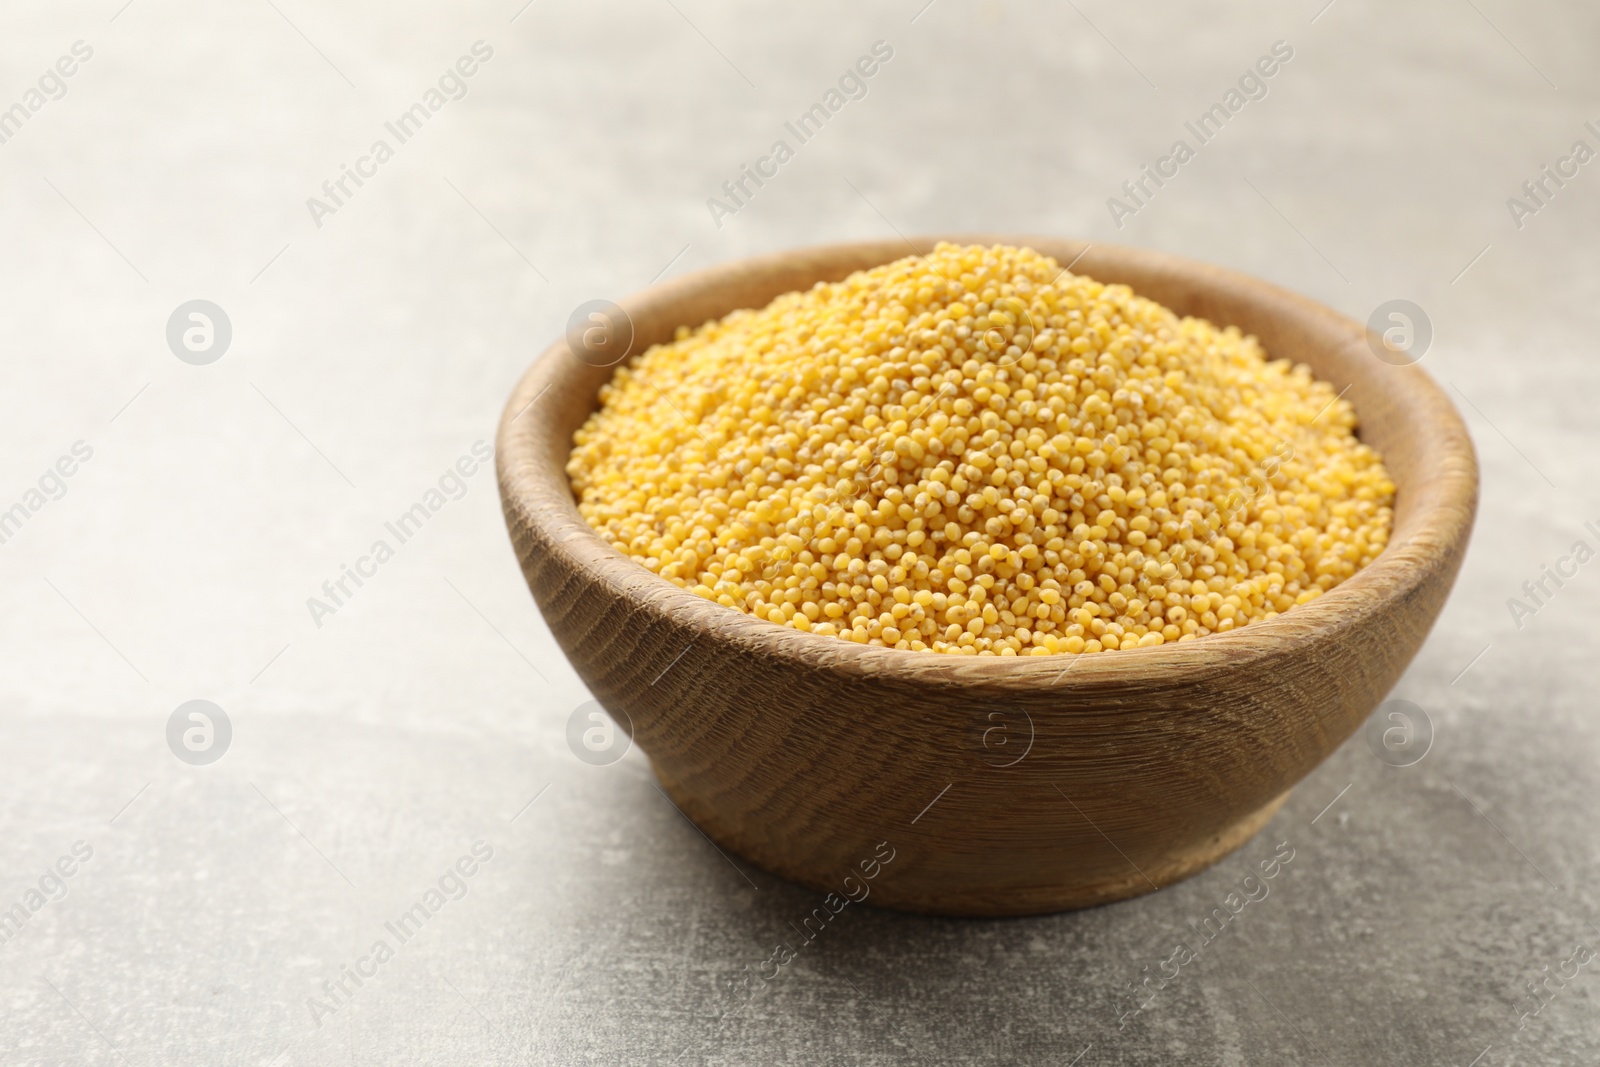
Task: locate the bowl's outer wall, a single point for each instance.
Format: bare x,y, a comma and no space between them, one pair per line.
803,753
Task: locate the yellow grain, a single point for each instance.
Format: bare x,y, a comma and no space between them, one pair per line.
974,452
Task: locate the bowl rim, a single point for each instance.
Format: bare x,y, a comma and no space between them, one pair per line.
537,494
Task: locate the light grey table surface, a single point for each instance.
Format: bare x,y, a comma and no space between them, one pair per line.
369,352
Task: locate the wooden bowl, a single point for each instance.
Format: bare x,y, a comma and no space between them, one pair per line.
998,786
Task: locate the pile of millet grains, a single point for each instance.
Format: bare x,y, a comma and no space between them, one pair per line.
977,452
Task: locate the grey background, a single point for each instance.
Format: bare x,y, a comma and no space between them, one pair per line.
368,354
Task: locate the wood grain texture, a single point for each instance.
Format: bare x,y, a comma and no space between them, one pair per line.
802,752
